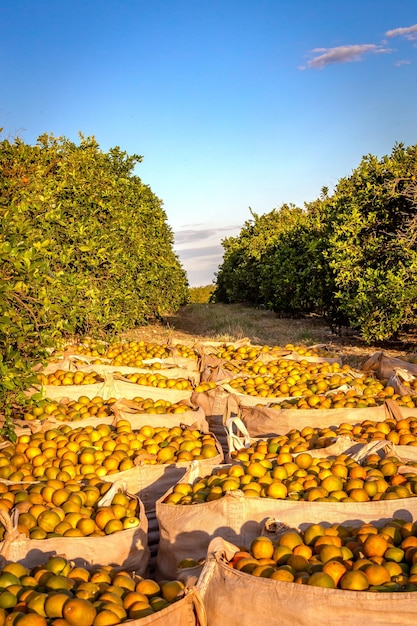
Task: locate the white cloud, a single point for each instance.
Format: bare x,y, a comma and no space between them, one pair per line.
191,235
342,54
399,63
410,32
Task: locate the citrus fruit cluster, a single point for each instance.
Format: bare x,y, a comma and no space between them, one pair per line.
337,557
72,410
55,508
58,592
303,477
73,453
65,377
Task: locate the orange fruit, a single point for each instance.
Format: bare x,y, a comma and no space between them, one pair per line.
355,580
290,538
377,574
335,569
79,612
277,490
375,545
321,579
148,587
171,589
283,575
262,547
54,604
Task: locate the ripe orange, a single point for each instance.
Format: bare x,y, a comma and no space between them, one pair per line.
375,545
79,612
354,580
262,547
321,579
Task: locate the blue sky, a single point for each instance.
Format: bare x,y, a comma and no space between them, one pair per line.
232,103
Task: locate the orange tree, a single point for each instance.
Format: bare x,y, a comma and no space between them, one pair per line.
351,256
85,247
239,276
373,246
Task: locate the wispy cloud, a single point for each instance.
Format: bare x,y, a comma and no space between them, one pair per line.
342,54
409,32
399,63
200,253
193,234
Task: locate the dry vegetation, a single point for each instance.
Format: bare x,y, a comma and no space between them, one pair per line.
219,322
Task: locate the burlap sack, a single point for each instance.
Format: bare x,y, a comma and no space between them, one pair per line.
167,368
384,366
128,410
114,386
185,531
239,599
398,379
105,390
238,437
124,550
263,421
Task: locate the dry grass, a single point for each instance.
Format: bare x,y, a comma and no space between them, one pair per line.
219,322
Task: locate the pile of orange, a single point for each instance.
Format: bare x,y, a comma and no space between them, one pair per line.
57,592
69,453
71,410
65,377
302,477
57,508
337,557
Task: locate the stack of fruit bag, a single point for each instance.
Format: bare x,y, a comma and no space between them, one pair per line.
134,354
263,482
92,524
269,420
112,384
147,459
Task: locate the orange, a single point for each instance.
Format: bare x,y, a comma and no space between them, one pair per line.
139,610
133,596
330,553
298,562
332,483
283,575
262,547
375,545
86,525
290,538
303,460
54,604
48,520
321,579
171,589
312,532
108,617
282,554
79,612
377,574
303,550
30,619
335,569
277,490
148,587
355,580
104,514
